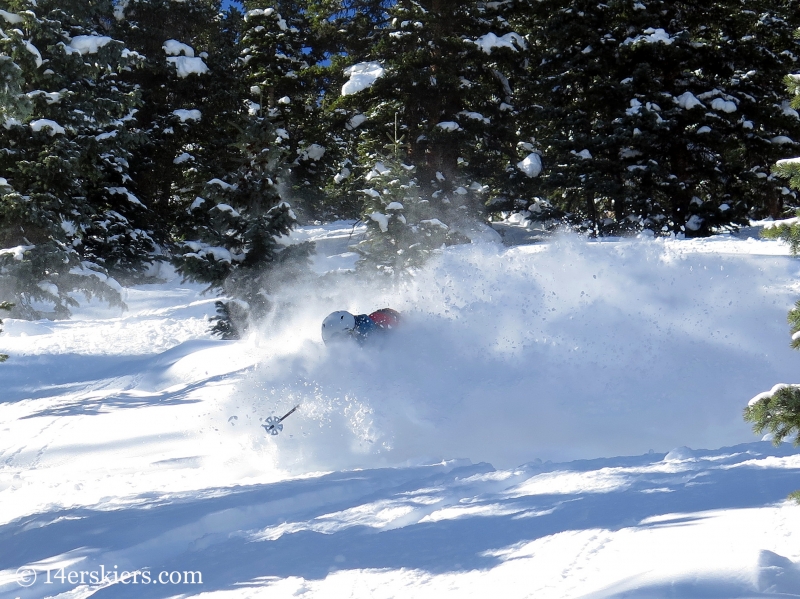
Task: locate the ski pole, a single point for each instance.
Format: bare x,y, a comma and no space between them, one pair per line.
274,426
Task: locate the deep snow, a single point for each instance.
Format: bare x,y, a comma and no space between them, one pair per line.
133,439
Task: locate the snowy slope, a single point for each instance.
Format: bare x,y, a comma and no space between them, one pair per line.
132,439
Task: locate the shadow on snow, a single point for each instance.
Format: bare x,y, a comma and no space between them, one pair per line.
212,531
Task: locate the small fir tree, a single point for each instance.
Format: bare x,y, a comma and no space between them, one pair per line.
777,412
402,230
232,240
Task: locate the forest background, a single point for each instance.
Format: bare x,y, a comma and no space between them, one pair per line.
201,132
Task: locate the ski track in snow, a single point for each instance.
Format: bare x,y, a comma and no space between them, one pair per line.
132,439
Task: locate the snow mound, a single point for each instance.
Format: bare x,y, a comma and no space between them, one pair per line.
356,121
650,36
679,454
723,105
313,152
688,100
176,48
48,125
11,17
449,126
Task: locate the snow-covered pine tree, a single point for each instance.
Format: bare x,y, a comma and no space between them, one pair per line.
778,411
438,71
708,111
665,115
341,31
789,169
232,242
767,40
402,231
337,31
573,93
66,217
192,96
4,306
277,57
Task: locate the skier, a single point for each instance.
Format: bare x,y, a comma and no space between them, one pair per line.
343,325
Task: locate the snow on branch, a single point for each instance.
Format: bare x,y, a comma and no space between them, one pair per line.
362,76
187,65
490,41
88,44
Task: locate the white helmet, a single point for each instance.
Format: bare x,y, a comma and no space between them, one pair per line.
338,325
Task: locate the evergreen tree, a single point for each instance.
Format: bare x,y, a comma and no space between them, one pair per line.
574,94
779,410
232,240
789,168
279,69
334,33
67,220
436,84
401,229
786,231
722,122
192,99
662,115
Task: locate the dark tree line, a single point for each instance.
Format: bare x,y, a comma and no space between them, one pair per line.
135,131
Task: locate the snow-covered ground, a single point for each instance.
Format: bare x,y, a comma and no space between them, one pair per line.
131,441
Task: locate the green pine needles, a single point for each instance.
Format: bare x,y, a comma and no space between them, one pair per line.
788,232
68,220
778,411
232,236
139,131
402,230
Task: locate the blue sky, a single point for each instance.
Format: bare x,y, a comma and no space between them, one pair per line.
227,3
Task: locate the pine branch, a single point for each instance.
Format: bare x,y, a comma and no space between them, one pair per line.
790,233
779,414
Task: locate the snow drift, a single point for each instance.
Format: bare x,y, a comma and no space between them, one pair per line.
559,351
132,439
562,351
